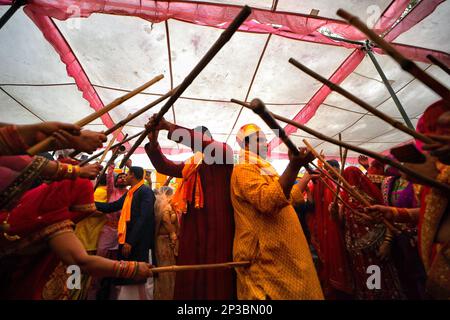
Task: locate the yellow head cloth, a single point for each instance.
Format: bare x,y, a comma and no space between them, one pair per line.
245,131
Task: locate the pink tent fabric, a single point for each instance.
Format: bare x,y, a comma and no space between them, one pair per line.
289,25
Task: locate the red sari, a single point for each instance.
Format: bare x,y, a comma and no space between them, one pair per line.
434,211
363,240
328,240
40,214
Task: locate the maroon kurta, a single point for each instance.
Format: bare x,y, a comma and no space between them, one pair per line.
206,234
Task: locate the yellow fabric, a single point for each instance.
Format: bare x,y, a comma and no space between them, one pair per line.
190,186
248,157
125,215
88,230
268,233
101,194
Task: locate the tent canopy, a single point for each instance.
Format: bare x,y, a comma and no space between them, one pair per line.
61,60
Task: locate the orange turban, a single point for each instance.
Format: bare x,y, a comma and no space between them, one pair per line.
245,131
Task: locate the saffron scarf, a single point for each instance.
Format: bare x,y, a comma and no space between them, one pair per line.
247,157
126,213
191,186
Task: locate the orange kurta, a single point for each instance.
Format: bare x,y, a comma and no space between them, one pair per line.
269,234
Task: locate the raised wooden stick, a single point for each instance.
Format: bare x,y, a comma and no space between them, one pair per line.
133,116
167,181
260,109
223,39
413,174
396,124
103,172
439,63
98,154
336,194
46,143
201,266
343,160
108,147
355,194
406,64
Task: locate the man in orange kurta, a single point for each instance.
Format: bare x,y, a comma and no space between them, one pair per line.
267,230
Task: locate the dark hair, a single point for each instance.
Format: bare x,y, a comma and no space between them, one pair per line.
138,172
204,130
334,163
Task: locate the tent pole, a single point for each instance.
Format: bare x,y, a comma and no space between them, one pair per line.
388,86
10,12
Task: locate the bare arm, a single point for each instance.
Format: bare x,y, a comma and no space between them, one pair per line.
71,251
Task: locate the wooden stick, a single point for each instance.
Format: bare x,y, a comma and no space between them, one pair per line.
46,143
223,39
167,181
133,116
103,172
337,196
346,187
439,63
396,124
260,109
201,266
344,159
108,147
406,64
98,154
355,194
409,172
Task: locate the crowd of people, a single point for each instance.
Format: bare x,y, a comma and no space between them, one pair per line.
304,236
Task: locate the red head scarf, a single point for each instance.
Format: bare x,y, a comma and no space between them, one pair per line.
428,121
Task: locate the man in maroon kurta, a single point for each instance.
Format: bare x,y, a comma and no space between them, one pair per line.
206,234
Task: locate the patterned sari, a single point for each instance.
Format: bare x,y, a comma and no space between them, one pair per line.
363,240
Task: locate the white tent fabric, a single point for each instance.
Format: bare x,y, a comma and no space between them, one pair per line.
119,53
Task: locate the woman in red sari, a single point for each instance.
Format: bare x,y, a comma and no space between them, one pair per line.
37,230
368,243
327,238
433,217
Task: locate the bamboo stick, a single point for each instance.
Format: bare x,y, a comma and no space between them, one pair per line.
343,160
108,147
46,143
220,42
98,154
113,156
336,194
355,194
260,109
176,268
411,173
133,116
406,64
396,124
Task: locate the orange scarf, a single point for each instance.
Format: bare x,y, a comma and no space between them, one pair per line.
191,182
126,213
